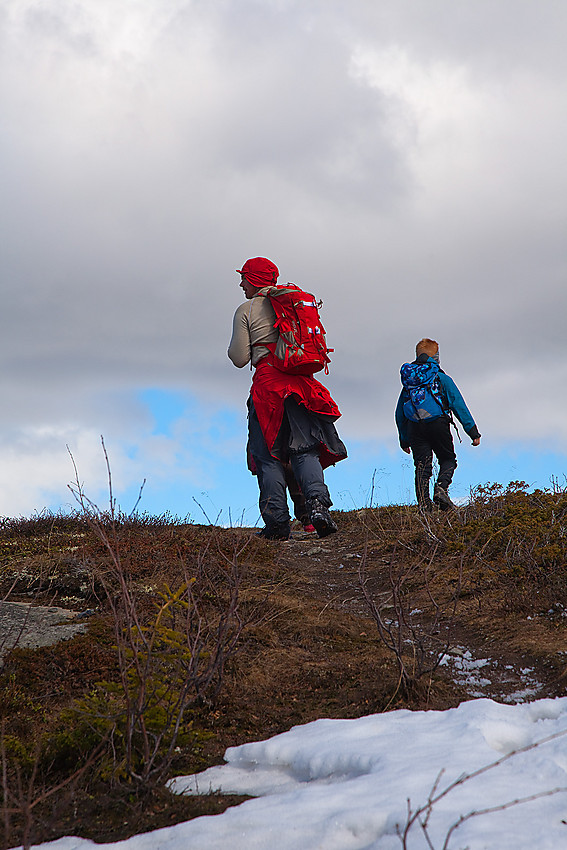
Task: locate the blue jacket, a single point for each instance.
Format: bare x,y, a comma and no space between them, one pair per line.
455,403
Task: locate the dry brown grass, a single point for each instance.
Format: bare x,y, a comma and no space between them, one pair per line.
310,647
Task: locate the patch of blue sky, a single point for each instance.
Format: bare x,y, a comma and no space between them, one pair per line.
195,456
194,461
371,476
379,476
532,463
166,407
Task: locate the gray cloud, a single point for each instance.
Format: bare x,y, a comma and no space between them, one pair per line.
402,160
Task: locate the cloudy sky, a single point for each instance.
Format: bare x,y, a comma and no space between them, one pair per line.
403,159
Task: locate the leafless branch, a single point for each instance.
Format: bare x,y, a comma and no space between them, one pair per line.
423,813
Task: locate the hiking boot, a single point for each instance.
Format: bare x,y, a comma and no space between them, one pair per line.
275,531
424,502
441,498
321,518
425,505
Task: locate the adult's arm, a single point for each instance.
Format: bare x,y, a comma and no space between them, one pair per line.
253,327
240,347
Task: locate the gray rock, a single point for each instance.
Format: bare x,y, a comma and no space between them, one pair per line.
30,626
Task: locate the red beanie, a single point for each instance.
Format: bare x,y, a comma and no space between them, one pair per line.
260,272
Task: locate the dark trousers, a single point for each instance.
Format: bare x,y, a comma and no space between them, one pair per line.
427,438
297,497
271,474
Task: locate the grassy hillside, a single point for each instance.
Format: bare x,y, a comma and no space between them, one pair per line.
200,638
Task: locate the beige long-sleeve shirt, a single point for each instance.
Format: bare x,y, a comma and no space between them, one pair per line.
253,324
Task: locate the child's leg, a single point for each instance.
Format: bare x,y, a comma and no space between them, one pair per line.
442,444
423,461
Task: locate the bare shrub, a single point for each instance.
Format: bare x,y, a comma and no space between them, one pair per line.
417,639
518,539
507,547
27,782
171,652
413,600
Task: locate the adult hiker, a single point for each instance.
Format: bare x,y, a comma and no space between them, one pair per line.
290,416
424,411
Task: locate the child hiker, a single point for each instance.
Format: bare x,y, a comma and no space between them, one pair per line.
424,411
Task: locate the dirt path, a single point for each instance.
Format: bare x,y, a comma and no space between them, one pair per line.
512,660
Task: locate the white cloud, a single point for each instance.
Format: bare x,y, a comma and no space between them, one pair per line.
36,468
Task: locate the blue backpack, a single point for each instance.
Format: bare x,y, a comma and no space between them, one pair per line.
423,397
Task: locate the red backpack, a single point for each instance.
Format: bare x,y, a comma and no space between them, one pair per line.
301,348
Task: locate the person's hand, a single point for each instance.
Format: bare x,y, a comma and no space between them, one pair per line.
406,450
476,441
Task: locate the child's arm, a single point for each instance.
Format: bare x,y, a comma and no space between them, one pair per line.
458,406
402,424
